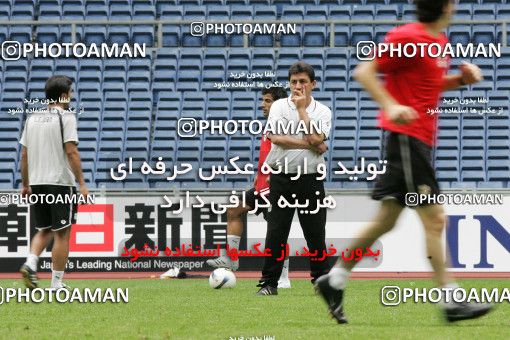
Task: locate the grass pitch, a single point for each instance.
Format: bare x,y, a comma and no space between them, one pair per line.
190,309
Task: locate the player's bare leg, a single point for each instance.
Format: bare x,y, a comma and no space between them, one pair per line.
235,229
332,285
29,268
434,222
59,256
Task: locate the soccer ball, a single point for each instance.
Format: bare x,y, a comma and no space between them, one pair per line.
222,278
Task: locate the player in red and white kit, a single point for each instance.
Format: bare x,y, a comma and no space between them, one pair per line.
413,86
261,187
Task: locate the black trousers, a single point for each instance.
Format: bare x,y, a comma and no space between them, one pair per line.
279,221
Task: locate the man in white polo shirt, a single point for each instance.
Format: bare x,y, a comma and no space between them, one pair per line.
300,109
50,166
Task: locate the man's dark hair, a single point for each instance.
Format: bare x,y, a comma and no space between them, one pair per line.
56,86
430,10
276,92
302,67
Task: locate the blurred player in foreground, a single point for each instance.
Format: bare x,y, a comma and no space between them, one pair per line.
261,186
50,165
412,86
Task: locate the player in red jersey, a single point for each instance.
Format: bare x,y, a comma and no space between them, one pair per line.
261,187
413,85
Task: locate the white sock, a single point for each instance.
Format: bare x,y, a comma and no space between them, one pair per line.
451,301
32,261
56,278
285,270
338,277
233,241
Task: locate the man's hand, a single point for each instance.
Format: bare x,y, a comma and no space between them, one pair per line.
400,114
320,149
299,99
471,73
84,191
25,191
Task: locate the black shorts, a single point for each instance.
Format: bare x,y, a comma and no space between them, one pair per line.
409,171
54,216
250,201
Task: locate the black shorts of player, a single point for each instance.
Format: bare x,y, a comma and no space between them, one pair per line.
250,201
409,171
55,216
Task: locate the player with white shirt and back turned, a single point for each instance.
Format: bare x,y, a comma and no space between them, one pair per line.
412,87
261,186
50,166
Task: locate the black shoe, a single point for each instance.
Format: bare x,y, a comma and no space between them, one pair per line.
466,311
333,298
268,290
29,277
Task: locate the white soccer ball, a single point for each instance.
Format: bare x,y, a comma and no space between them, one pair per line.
222,278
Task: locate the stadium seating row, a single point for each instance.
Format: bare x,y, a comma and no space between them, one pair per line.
47,7
145,10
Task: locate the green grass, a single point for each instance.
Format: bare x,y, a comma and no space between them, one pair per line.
189,309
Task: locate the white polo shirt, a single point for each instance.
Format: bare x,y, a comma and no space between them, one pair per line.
285,110
47,159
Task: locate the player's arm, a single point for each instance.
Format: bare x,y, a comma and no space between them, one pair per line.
366,75
288,142
73,157
283,141
470,74
312,137
24,171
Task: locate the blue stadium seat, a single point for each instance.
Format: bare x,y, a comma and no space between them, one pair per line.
361,33
463,11
144,11
241,12
243,104
484,12
218,12
289,40
484,34
195,13
171,36
171,12
366,12
119,34
188,39
408,12
387,12
265,12
318,12
292,12
95,34
315,35
21,34
342,35
5,11
340,12
22,11
503,11
47,34
50,12
459,34
143,34
73,11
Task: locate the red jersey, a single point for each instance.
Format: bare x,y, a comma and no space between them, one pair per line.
265,147
414,81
